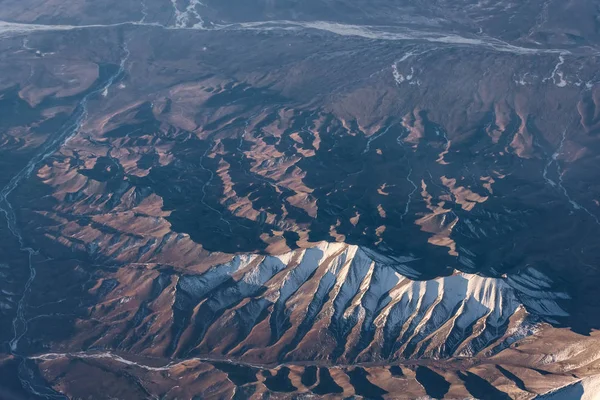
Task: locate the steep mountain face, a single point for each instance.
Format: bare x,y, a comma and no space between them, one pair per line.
278,199
333,320
276,308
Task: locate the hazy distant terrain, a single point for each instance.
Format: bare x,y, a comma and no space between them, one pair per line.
285,199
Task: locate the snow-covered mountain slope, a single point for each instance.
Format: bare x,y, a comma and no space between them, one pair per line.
332,302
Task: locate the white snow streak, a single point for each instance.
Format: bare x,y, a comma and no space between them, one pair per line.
190,19
560,184
188,16
556,73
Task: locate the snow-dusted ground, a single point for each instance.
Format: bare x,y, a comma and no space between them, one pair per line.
362,291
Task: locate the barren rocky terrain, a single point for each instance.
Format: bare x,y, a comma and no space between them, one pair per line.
283,199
